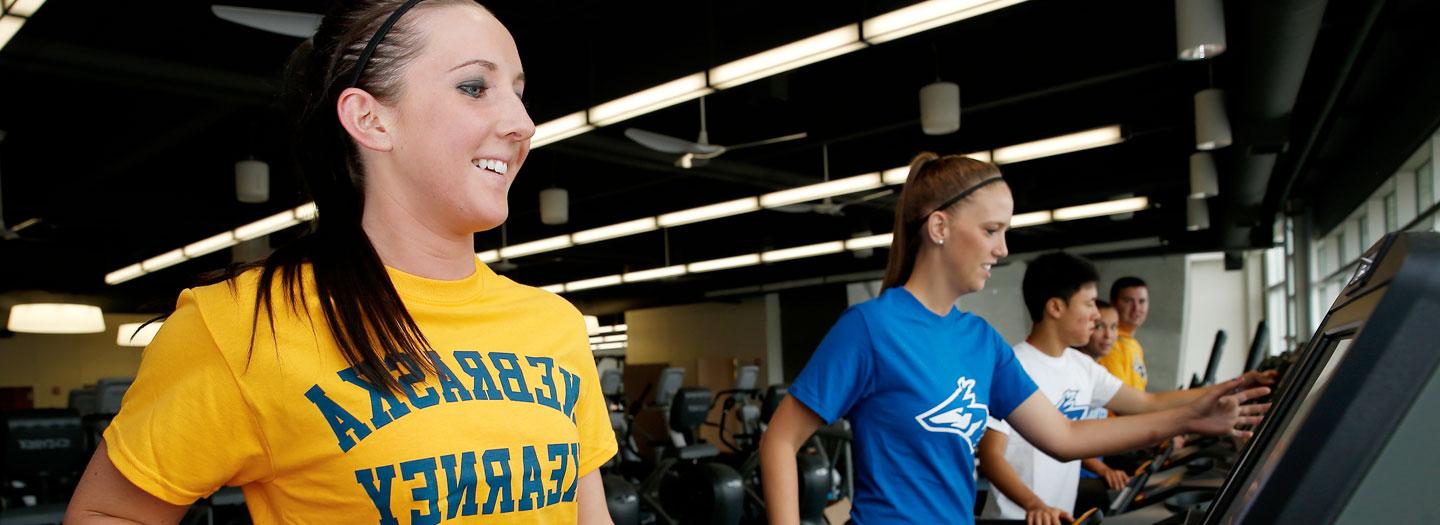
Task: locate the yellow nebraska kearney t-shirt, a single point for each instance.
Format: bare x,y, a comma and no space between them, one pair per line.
503,430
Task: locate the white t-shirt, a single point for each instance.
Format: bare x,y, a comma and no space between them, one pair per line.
1078,386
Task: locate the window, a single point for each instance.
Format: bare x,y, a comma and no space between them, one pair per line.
1363,224
1342,249
1392,215
1424,187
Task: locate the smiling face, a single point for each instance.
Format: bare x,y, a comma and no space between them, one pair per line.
975,237
1133,303
460,132
1106,331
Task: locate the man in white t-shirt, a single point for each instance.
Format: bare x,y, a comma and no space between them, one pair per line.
1026,483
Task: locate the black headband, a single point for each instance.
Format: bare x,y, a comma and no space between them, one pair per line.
375,40
957,197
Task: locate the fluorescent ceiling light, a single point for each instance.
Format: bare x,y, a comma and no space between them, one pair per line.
608,329
1084,211
787,57
489,256
56,318
1033,218
592,324
532,247
267,226
598,282
725,263
615,230
608,346
657,273
306,212
596,339
1083,140
129,336
617,338
926,15
874,241
560,129
822,190
25,8
164,260
713,211
124,274
554,288
898,175
9,25
658,97
799,252
213,244
622,327
895,175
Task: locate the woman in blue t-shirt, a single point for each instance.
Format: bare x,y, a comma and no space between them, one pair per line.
916,377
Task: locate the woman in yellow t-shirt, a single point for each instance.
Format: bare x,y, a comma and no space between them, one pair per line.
375,371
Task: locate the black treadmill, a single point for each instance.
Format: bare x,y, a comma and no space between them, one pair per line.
1351,436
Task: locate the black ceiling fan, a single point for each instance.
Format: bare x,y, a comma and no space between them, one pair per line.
696,153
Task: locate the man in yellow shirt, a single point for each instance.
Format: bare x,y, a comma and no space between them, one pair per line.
1127,360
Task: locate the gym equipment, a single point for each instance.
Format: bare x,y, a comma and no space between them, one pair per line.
685,487
1349,437
1258,346
1216,350
44,452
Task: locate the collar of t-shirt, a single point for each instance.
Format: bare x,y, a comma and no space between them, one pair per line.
1056,362
913,306
414,287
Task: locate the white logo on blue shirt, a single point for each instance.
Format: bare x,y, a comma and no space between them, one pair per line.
958,414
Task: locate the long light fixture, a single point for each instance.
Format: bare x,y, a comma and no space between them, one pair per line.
659,97
560,129
794,55
725,263
534,247
1099,209
881,28
1073,142
9,25
616,230
801,252
710,212
822,190
925,16
1115,207
1034,218
56,318
137,334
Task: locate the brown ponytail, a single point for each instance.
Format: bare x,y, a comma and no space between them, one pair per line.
932,181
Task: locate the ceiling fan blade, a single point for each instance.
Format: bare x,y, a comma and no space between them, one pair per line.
786,138
289,23
795,208
669,144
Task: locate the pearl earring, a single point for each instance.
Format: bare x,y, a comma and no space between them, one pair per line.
940,242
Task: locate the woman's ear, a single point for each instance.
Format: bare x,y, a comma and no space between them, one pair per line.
937,228
364,119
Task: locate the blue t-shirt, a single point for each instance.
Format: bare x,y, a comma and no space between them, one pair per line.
917,388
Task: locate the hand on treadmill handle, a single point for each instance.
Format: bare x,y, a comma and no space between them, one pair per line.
1223,409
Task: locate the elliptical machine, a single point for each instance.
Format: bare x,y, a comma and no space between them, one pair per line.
687,486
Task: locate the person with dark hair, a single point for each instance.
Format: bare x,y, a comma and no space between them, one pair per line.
917,378
375,370
1027,481
1106,330
1131,298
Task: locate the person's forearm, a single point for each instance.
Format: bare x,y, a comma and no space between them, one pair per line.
1096,437
781,481
1004,478
1176,398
